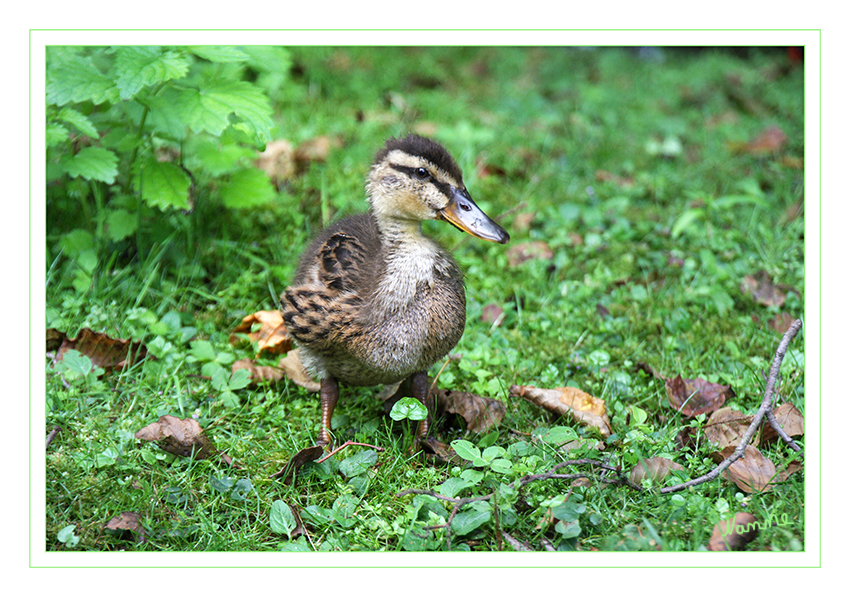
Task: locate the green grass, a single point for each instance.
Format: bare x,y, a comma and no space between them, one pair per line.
647,266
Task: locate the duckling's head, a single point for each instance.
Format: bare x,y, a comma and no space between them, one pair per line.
415,179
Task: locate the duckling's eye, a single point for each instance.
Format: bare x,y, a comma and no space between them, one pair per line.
422,173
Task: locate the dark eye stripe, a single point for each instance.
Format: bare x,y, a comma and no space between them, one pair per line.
443,187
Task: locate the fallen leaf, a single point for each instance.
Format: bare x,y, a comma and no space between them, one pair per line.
655,469
795,466
781,322
734,534
581,406
183,437
622,181
439,451
127,526
522,252
259,373
770,140
762,289
105,352
277,161
523,220
694,397
492,313
316,149
726,427
294,370
302,457
789,418
271,336
752,472
480,413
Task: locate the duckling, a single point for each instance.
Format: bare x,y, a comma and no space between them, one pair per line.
375,301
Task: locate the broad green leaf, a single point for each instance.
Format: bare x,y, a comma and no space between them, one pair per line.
409,408
247,187
493,452
239,379
76,79
359,463
221,158
568,530
54,134
241,489
144,66
120,224
92,163
211,107
685,220
501,465
222,485
202,350
568,511
453,486
467,521
77,242
219,53
281,519
66,535
78,120
163,185
466,450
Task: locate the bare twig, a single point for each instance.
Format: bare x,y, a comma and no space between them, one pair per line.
771,418
52,435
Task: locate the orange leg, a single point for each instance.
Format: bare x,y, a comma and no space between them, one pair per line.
419,390
329,395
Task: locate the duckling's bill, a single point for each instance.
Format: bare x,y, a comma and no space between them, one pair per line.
464,214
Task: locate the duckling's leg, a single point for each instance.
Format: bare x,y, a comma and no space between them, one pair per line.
329,394
419,389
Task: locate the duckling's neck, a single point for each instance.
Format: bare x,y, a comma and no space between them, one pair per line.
410,260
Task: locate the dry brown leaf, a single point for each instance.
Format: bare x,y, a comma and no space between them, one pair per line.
259,373
762,289
183,437
789,418
492,313
781,322
128,526
316,149
795,466
655,469
278,161
581,406
105,352
734,534
694,397
752,472
480,413
302,457
438,451
271,336
523,220
770,140
726,427
294,370
522,252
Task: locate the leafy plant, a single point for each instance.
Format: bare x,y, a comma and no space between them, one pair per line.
137,132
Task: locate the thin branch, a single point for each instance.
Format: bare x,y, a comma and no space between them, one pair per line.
52,435
771,418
